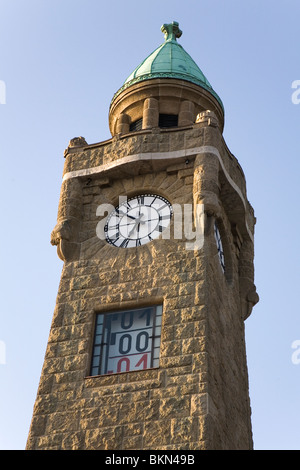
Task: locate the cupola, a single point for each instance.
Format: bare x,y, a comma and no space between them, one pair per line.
167,89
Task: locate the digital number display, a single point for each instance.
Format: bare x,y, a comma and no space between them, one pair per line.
127,340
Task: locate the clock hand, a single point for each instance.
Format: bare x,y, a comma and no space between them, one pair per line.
137,222
132,230
127,215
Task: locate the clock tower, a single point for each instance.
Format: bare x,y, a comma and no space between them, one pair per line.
147,345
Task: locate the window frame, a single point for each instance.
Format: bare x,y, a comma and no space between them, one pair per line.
103,337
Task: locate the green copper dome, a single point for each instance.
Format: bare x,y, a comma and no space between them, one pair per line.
169,60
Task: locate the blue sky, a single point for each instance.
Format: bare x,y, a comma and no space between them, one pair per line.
61,61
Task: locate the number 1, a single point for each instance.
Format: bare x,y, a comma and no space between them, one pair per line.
143,361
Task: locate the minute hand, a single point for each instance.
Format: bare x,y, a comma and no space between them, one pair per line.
137,222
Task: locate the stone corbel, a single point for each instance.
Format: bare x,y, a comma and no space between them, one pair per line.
247,288
249,297
65,234
61,236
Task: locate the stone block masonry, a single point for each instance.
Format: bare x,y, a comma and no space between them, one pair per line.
198,396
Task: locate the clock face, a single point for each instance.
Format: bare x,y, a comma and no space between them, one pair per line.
138,220
219,247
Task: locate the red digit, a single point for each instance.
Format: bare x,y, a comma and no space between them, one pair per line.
127,362
142,360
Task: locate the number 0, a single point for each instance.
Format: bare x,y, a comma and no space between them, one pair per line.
140,348
127,364
123,349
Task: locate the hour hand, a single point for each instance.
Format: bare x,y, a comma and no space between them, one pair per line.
127,215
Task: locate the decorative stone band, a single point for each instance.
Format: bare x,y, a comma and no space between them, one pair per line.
181,76
102,170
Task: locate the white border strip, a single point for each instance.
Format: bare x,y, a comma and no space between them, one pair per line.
129,159
160,156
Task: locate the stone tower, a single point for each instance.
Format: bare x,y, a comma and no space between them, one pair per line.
147,344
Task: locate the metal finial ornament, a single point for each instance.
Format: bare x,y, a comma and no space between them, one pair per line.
171,31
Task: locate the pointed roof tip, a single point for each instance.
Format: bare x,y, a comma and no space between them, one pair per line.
162,63
171,31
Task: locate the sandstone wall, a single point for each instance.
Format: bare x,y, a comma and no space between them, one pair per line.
198,397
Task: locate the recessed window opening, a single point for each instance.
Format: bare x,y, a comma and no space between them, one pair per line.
136,125
219,246
127,340
168,120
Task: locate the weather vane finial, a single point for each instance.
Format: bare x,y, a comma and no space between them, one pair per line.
171,31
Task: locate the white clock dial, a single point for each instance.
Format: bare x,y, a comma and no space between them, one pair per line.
219,247
138,220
